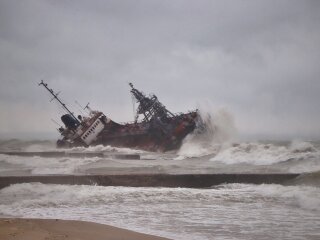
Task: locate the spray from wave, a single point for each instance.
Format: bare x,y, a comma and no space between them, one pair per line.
218,131
217,143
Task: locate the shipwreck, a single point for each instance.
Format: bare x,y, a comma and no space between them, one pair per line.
155,128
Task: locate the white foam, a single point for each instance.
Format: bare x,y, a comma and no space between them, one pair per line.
266,154
305,197
220,130
102,148
40,147
175,212
41,165
33,194
297,146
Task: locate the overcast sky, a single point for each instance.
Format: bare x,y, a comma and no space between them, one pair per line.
259,60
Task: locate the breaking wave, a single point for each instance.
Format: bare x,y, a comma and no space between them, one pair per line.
48,145
50,195
102,148
218,144
265,154
40,165
220,130
170,212
309,178
305,197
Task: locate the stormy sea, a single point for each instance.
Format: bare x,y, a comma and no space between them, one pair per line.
227,211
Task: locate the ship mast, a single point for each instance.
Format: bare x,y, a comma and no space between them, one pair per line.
55,96
149,106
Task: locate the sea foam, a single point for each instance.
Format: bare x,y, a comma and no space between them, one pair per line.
266,154
170,212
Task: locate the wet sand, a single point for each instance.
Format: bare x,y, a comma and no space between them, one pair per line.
54,229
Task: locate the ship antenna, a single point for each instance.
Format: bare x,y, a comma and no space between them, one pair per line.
55,96
79,109
87,107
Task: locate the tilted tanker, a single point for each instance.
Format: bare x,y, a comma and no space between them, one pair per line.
157,130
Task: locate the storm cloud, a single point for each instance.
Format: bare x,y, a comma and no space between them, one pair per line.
257,59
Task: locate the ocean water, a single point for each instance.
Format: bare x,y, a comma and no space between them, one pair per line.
229,211
228,157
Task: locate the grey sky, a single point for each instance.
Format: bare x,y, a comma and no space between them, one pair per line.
257,59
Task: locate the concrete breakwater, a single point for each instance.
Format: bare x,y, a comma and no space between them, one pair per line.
52,154
153,180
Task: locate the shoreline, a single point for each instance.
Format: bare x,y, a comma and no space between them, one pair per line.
57,229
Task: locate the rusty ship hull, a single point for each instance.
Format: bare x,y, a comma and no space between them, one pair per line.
144,136
148,137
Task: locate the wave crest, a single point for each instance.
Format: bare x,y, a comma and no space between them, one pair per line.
219,131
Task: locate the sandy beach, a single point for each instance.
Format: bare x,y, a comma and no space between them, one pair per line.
54,229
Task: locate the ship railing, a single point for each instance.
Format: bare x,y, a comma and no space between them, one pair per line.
176,115
130,122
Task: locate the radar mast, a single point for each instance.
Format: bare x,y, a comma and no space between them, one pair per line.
55,97
149,106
